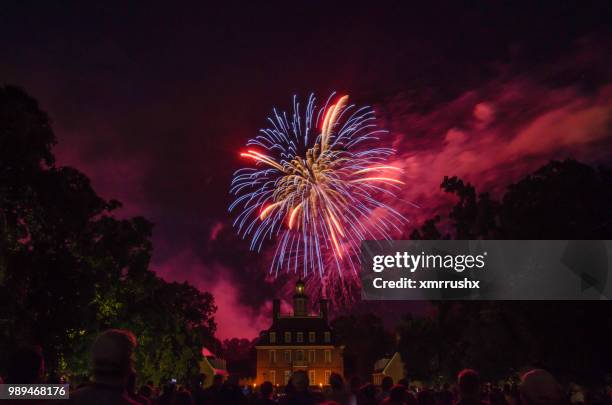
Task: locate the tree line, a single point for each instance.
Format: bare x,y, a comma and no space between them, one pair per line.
69,268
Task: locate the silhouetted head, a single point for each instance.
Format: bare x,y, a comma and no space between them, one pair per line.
182,397
397,393
410,398
386,383
539,387
426,397
336,382
368,391
111,356
26,366
404,382
266,389
146,391
169,389
300,382
468,382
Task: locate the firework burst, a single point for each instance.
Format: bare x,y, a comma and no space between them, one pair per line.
317,186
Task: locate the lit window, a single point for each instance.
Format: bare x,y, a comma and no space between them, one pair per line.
311,377
287,337
288,356
272,356
311,356
287,376
328,356
327,375
300,337
327,337
299,356
312,337
272,375
272,337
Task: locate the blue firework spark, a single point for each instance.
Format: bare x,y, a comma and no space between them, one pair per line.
317,187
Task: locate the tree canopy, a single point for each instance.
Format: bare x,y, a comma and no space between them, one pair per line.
561,200
69,268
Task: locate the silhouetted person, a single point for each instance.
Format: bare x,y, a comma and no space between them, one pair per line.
337,391
197,392
385,388
213,393
404,382
410,398
496,396
426,397
298,392
355,384
265,394
231,392
468,382
539,387
397,396
367,395
183,397
146,391
167,395
445,396
26,366
112,363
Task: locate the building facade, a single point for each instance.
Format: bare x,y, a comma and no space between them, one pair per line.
298,341
211,365
392,366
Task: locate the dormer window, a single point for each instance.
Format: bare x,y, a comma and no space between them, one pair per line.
287,337
272,337
327,337
312,337
300,337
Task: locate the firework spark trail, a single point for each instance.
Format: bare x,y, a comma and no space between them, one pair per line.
318,179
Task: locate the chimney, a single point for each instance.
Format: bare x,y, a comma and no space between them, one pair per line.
275,309
323,308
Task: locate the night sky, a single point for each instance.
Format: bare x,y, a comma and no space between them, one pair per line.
154,101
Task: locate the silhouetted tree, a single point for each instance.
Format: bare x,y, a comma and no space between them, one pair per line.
562,200
68,268
365,340
240,355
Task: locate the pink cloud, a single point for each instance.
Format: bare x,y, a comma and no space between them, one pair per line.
495,135
233,318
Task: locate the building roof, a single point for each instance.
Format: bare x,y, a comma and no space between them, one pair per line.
300,324
381,364
294,324
214,364
299,321
207,353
